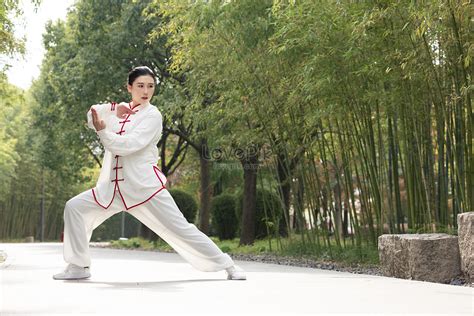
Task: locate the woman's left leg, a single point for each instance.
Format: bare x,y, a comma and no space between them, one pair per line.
162,215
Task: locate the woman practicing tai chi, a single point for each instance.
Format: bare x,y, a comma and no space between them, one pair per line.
131,181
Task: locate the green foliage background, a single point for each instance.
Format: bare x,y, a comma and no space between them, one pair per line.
365,107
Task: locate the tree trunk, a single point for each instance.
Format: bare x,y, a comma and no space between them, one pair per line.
247,235
284,189
338,224
299,222
205,188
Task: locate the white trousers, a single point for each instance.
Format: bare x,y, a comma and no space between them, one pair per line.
161,214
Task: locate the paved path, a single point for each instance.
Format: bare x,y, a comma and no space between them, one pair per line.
128,282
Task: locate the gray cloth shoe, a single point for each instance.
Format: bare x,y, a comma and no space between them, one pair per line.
235,273
73,272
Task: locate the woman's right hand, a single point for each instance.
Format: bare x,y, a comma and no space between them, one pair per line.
123,110
98,123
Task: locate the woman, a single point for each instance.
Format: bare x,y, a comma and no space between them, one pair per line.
130,181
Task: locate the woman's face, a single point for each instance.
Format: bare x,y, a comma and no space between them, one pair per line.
142,89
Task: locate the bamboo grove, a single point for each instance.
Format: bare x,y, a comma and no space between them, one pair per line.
365,105
360,111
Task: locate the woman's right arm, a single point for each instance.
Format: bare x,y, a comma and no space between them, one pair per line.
103,110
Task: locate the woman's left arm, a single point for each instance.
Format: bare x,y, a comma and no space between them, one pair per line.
140,137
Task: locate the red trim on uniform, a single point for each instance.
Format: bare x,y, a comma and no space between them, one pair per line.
132,107
128,208
123,125
116,180
123,200
113,196
116,170
160,189
156,168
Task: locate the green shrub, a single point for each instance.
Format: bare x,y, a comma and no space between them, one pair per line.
132,243
224,219
112,228
267,202
225,249
186,204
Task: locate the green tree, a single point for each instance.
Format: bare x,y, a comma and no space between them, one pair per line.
224,75
87,59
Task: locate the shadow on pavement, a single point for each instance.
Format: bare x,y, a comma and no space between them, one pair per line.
152,285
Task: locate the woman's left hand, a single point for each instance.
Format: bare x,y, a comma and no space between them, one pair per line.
123,110
98,123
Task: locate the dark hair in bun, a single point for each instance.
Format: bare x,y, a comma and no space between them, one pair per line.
140,71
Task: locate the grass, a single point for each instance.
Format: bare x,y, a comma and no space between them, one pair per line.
12,240
292,247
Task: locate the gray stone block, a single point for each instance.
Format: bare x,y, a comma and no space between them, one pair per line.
424,257
466,244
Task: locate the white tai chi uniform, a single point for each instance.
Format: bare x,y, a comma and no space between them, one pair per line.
131,181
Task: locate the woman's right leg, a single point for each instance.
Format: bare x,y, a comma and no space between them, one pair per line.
81,216
162,215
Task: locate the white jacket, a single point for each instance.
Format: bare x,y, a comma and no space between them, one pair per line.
129,167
